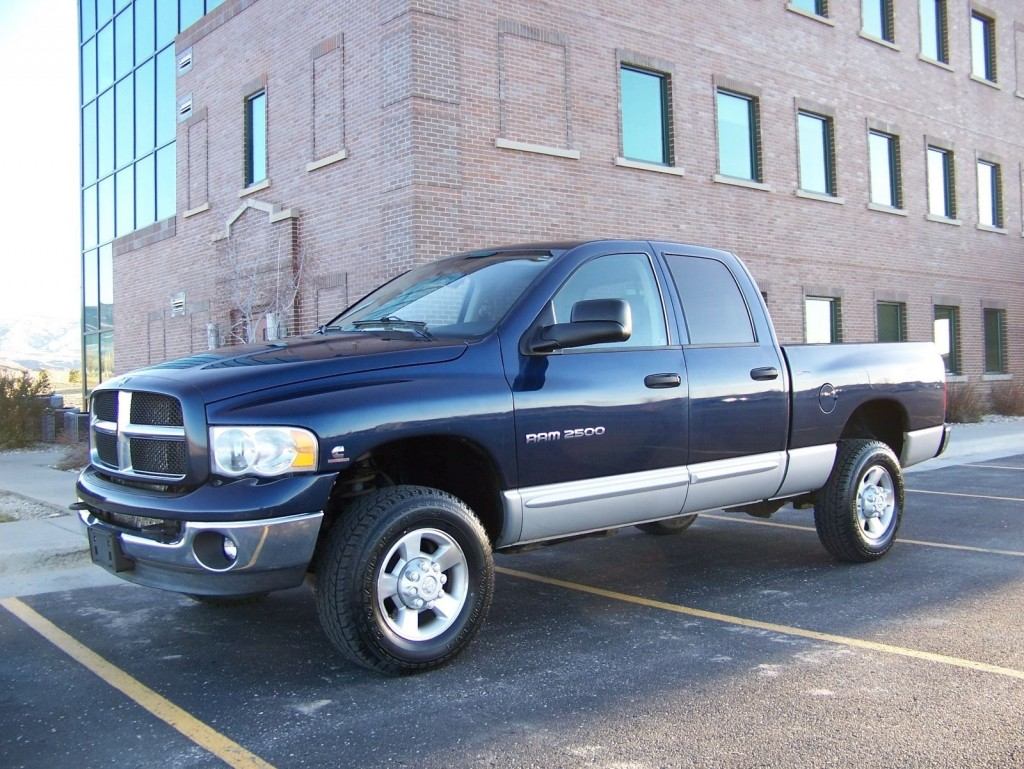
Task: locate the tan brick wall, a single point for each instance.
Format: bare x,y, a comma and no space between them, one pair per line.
426,89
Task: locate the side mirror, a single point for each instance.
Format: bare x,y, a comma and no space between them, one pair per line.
594,321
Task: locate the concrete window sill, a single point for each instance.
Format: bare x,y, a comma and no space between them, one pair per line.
197,210
640,165
330,160
984,81
935,62
882,209
821,198
879,41
943,220
957,378
252,188
812,16
538,149
990,228
738,182
996,377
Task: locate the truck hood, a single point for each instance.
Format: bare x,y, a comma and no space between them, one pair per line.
230,371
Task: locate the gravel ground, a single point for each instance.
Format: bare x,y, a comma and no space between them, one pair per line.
14,507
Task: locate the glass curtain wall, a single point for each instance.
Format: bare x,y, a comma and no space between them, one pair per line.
127,88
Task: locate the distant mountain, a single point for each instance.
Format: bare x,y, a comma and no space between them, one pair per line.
39,342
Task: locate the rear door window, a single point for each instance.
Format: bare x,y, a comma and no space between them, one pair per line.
713,306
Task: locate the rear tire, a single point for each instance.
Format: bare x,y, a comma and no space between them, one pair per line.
858,512
668,526
404,580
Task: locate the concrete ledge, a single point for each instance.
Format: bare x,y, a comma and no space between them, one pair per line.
943,220
935,62
880,41
539,149
983,81
990,228
886,209
737,182
820,198
254,188
640,165
808,15
196,210
337,157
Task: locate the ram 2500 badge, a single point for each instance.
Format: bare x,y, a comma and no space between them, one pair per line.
491,400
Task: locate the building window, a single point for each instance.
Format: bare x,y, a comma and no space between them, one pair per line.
816,7
947,336
739,151
886,182
255,138
822,320
983,47
995,341
891,319
645,115
934,30
817,154
990,194
877,19
941,183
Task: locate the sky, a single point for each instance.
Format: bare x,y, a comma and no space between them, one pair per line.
39,155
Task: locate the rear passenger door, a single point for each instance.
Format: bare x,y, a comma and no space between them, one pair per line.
739,406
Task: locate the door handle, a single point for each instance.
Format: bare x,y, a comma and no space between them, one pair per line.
764,373
657,381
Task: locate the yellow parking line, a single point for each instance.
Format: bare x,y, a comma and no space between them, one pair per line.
226,749
814,635
972,496
921,542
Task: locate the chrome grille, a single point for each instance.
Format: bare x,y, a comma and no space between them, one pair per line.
139,434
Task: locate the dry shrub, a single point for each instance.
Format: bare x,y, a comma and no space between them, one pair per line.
76,456
1008,398
964,403
21,408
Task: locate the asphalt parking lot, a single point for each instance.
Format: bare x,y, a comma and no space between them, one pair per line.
738,643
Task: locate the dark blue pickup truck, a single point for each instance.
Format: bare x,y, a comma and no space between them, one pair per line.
489,401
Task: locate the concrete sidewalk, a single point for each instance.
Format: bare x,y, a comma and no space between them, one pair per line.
46,554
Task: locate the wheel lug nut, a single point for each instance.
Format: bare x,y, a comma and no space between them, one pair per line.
444,579
417,603
413,590
414,577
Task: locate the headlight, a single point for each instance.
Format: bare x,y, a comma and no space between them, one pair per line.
264,451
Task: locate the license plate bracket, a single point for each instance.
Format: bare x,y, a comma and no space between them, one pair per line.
105,549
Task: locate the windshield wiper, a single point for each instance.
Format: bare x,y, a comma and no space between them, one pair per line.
390,321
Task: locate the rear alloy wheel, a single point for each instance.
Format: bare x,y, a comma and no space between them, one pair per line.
859,511
668,526
405,579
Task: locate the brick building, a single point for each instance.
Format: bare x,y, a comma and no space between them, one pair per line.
863,158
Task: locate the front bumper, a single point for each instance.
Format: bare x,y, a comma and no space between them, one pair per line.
272,554
183,548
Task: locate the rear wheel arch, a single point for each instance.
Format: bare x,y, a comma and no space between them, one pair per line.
881,420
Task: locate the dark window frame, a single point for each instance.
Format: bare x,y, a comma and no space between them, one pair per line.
991,73
950,312
835,317
998,220
901,320
829,159
820,8
994,364
895,167
249,147
753,133
887,14
941,30
948,179
665,92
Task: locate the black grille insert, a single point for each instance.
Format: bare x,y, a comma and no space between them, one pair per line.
156,409
155,455
106,447
104,405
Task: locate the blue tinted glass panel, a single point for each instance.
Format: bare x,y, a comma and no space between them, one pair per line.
643,116
125,122
90,291
883,169
125,201
145,191
91,375
105,205
736,154
145,107
106,355
873,15
814,154
106,286
124,43
145,29
88,18
191,12
105,132
105,56
165,182
981,47
89,217
166,21
166,99
211,4
104,10
89,70
816,7
933,43
940,201
256,139
89,143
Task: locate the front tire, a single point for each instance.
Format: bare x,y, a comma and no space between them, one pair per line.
405,579
859,511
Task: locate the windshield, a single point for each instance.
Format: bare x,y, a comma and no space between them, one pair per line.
463,296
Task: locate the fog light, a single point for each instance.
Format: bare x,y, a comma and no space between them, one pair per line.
230,550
